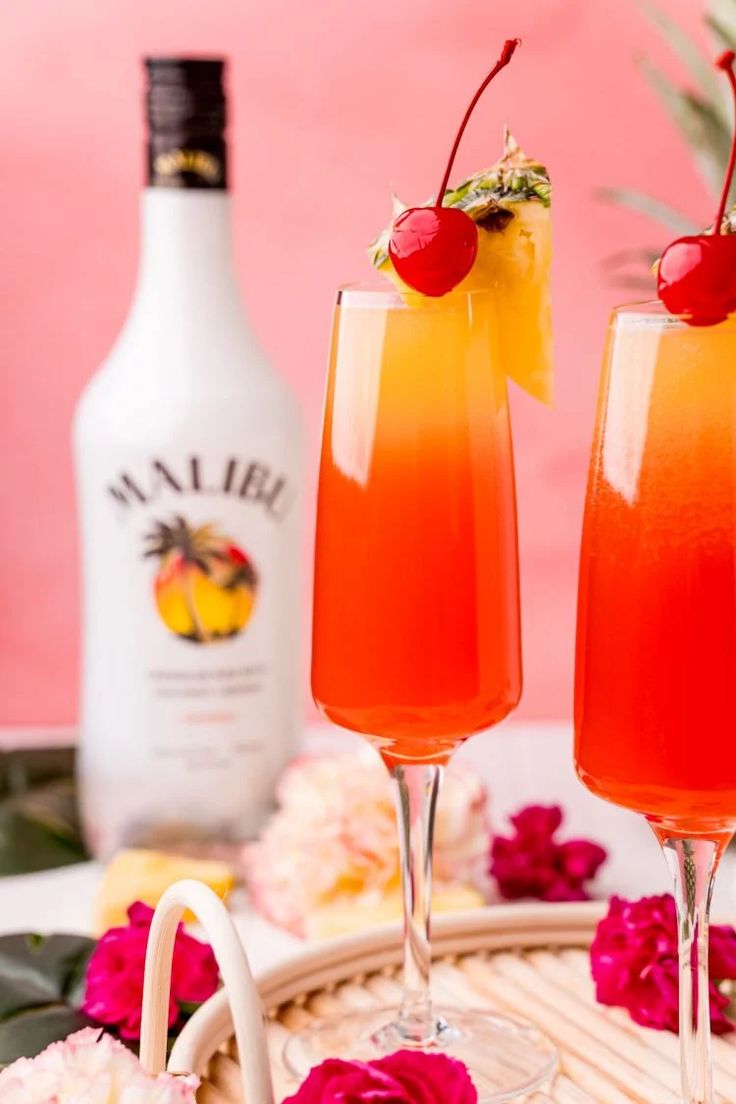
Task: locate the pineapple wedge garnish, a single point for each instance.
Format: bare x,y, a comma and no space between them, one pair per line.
510,204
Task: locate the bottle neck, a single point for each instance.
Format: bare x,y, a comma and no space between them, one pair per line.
184,160
186,260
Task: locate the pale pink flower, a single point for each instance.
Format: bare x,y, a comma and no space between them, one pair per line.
90,1068
333,839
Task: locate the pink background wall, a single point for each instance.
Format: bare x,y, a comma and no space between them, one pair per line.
333,102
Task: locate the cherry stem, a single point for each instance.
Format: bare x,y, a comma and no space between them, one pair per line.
509,48
725,63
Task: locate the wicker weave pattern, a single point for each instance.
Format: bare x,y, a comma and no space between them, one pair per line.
605,1057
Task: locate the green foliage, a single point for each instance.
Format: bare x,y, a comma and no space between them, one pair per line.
41,988
39,825
699,120
646,205
701,111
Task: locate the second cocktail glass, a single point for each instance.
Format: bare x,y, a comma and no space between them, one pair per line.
656,660
416,615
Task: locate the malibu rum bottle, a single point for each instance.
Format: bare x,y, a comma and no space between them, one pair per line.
187,451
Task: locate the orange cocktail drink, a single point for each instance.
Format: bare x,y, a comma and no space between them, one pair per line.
655,687
416,615
656,673
416,591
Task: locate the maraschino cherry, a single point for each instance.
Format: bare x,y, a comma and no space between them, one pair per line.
697,274
434,248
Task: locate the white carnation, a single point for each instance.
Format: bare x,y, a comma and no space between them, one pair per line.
90,1068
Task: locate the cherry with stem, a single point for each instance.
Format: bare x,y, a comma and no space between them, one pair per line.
696,277
434,248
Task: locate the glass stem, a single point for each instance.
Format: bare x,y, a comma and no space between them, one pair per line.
417,787
693,863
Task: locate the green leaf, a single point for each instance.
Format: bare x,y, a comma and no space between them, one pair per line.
705,132
39,830
632,269
723,33
37,970
699,64
39,823
647,205
41,988
721,18
22,769
28,1033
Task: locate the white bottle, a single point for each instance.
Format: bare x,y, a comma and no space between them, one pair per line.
188,461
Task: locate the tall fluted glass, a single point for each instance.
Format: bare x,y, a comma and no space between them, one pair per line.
655,694
416,613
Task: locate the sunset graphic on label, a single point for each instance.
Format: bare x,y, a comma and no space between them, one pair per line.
205,587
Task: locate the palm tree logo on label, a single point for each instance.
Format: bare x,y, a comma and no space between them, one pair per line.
205,587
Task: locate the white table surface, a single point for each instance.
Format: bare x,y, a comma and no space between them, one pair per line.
521,762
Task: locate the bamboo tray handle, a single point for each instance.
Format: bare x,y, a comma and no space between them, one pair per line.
242,995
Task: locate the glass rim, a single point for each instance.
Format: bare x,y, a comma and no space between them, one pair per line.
380,293
655,313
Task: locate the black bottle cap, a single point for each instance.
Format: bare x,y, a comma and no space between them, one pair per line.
187,116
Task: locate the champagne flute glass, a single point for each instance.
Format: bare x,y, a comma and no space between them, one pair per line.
416,615
655,694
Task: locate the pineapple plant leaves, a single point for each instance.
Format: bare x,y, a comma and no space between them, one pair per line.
700,122
725,36
631,268
655,208
721,19
700,114
41,985
696,61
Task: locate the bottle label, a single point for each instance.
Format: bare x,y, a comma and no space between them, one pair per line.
249,480
191,607
204,582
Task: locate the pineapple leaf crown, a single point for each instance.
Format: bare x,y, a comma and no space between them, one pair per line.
487,196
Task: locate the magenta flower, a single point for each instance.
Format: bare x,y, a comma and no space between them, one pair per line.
634,962
407,1077
114,982
532,863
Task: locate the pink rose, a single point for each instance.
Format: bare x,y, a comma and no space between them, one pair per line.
407,1077
532,863
114,982
634,962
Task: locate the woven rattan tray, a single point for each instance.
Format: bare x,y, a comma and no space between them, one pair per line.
529,961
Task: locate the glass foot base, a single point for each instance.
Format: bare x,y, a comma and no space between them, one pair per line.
506,1059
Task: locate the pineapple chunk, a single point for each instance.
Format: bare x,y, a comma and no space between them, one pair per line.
516,262
510,204
344,918
140,875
